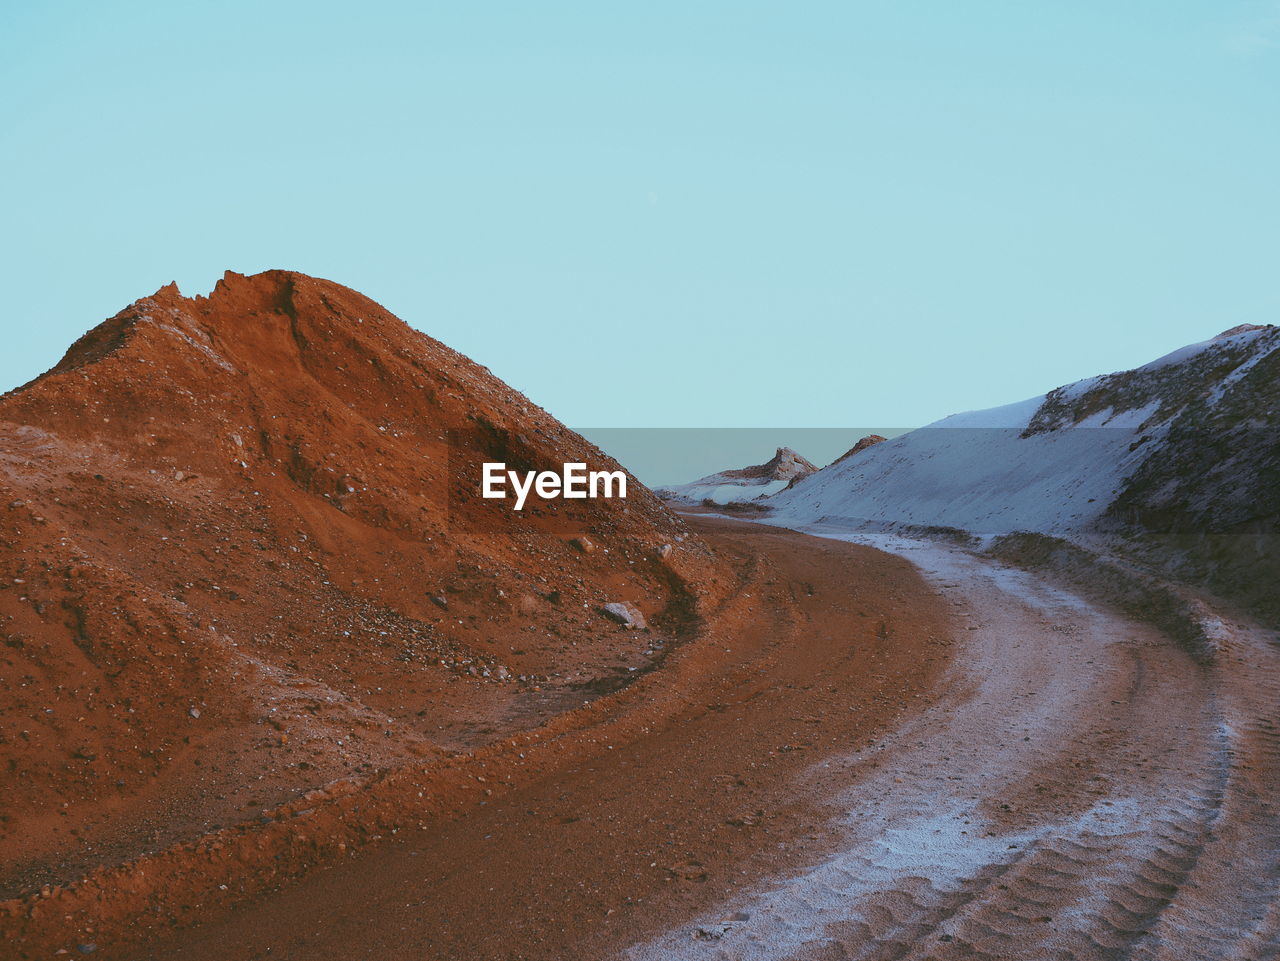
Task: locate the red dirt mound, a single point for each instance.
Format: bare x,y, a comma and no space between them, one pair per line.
241,556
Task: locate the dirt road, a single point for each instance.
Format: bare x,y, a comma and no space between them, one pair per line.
747,732
876,764
1084,789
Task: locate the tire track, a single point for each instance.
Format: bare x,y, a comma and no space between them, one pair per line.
1140,822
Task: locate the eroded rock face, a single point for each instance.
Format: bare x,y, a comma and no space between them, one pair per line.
785,464
744,484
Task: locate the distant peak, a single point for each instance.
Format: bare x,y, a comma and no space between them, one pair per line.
869,441
784,465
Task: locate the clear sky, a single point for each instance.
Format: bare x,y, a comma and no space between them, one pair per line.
665,214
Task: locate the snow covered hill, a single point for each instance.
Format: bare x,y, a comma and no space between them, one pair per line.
1102,452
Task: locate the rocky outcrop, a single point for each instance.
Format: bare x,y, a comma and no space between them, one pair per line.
785,464
744,483
869,441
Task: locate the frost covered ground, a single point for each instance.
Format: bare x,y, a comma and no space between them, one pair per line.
1078,793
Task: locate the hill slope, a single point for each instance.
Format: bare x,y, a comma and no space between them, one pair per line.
241,555
1177,458
1054,463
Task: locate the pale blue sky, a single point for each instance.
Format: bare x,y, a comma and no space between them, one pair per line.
716,214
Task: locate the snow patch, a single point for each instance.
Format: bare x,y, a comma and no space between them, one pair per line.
1010,416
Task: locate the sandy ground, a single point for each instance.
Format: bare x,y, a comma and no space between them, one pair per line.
1083,789
946,758
826,647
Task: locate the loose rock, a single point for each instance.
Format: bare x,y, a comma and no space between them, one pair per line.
626,614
